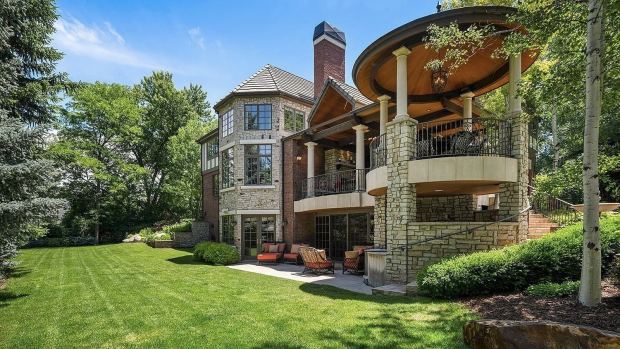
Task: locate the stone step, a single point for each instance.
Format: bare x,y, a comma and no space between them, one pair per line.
539,230
543,224
391,290
412,288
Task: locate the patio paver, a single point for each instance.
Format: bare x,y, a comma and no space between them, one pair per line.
293,272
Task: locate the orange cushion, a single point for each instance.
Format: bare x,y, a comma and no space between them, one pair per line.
291,256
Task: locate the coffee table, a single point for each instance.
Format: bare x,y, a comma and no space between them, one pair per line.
267,258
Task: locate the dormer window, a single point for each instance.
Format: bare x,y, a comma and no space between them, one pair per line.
257,116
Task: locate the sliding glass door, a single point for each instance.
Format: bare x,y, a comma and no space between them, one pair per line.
339,233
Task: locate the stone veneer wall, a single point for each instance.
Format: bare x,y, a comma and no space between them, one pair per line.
513,197
458,208
495,235
255,199
379,226
401,196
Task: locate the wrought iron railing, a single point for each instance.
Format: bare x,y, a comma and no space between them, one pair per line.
556,210
340,182
478,137
378,152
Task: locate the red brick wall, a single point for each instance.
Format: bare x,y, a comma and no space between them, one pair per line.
210,204
328,61
298,227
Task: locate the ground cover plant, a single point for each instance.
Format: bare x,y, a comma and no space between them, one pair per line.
554,258
133,296
552,289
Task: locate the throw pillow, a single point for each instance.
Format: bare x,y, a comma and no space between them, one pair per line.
273,248
295,248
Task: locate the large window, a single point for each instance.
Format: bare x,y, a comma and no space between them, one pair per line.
227,123
293,120
258,164
228,229
228,168
257,116
209,154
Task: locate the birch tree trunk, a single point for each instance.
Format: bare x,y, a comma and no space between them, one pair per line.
590,289
555,137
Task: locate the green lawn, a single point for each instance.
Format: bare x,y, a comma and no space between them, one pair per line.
130,295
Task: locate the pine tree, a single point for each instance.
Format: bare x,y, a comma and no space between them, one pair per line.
28,92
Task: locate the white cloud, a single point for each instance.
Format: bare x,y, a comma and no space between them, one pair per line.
73,37
196,37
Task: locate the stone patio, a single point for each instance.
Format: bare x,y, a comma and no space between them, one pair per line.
347,281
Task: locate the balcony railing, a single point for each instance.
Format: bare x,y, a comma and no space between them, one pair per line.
378,152
478,137
341,182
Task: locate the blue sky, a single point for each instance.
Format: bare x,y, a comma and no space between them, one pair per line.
216,44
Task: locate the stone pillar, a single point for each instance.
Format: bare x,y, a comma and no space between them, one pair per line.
514,196
467,110
400,197
310,171
383,113
360,156
380,216
401,82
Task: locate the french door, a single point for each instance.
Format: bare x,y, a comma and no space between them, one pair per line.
256,230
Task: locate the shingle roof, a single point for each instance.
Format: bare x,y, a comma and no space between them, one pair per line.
274,79
354,93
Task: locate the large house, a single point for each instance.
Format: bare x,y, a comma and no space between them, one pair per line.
405,161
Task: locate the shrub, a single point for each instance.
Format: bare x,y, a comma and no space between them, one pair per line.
555,258
552,290
183,226
216,253
614,271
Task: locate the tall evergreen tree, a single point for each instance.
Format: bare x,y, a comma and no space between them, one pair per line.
28,91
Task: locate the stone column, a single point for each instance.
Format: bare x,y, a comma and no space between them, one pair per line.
401,82
513,196
467,110
383,113
310,171
400,197
360,156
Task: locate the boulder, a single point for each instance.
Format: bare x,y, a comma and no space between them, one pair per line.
507,334
133,238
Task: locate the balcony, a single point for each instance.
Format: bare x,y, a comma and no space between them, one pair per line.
454,157
336,190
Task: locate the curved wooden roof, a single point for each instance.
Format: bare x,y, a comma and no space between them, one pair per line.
374,71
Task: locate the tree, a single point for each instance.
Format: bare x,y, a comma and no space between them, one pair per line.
96,167
28,90
590,287
562,31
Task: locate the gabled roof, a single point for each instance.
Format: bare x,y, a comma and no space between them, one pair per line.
350,97
352,92
270,79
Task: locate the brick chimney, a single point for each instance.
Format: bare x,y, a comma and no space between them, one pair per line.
329,45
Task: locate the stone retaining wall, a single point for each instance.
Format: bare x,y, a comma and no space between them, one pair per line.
446,208
402,264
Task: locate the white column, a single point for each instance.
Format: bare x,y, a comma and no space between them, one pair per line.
514,98
310,171
383,113
467,110
401,82
360,156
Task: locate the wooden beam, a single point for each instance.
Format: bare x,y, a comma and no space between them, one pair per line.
347,125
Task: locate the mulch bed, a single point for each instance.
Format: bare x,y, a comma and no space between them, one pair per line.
605,316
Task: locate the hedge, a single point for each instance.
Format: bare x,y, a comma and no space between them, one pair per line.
216,253
62,241
553,258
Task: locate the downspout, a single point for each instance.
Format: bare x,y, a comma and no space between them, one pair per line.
282,189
